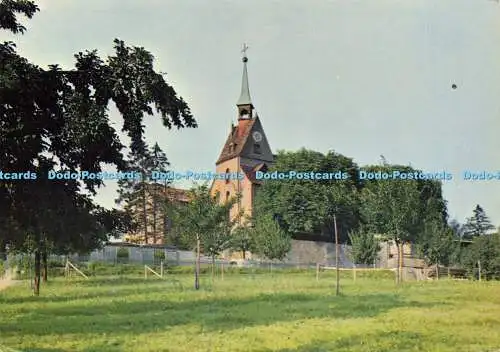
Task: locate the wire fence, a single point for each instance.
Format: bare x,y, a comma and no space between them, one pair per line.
120,260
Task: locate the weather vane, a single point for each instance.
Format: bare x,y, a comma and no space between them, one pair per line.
244,50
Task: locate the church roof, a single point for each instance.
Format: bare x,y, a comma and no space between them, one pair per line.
236,140
250,171
245,90
177,194
170,193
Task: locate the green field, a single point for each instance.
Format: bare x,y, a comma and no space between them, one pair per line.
244,312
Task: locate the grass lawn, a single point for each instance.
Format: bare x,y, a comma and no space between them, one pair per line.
264,312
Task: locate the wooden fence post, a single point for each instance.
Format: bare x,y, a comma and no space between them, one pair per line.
479,267
317,271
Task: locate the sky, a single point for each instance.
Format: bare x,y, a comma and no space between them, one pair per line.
363,78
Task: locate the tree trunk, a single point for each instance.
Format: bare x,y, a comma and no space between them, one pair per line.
144,212
154,215
337,254
398,272
197,268
213,266
401,258
36,287
45,265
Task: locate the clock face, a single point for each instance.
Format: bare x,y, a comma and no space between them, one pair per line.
257,136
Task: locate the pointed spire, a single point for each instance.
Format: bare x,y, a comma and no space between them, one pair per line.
245,91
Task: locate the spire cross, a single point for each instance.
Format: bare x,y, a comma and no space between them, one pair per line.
244,50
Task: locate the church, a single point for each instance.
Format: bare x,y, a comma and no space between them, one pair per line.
245,152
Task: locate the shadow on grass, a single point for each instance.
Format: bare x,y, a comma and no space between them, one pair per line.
42,350
112,288
210,314
398,340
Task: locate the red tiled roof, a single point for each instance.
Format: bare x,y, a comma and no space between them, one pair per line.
171,193
177,194
236,140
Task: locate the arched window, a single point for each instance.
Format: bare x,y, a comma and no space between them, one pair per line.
227,175
227,195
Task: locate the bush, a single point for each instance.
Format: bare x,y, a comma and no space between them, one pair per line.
55,263
23,264
159,254
2,268
122,255
486,250
109,269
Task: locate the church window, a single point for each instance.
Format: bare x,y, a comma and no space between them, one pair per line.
227,195
227,175
244,113
256,148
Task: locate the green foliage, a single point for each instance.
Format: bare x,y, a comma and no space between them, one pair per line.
54,119
307,206
159,254
484,252
204,219
364,247
56,263
392,207
140,195
122,253
203,224
477,225
241,239
270,241
437,244
9,10
23,265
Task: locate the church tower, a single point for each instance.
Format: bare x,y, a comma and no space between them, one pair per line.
246,151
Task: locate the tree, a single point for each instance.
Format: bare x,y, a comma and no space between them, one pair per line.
53,119
202,224
140,194
477,225
160,164
9,10
241,239
216,241
456,228
304,206
484,253
391,207
437,244
270,241
364,247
